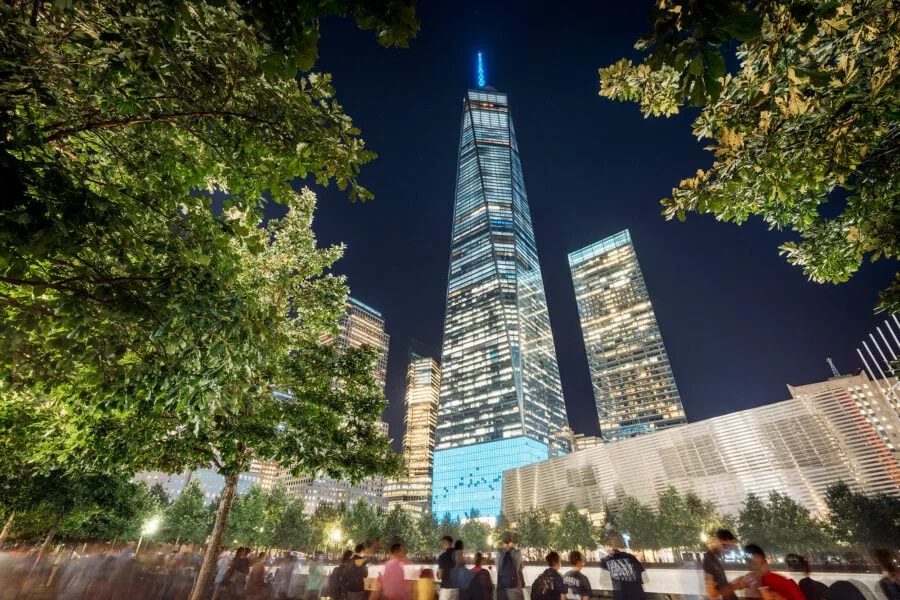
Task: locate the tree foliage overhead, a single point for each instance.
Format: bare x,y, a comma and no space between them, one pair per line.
811,117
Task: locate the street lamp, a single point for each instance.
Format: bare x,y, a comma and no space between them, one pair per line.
336,535
150,527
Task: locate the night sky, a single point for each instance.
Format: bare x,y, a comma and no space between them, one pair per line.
738,322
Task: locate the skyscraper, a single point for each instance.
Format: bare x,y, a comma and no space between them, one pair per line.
501,400
423,388
360,325
634,387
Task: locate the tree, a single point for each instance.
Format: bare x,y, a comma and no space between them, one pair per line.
119,511
363,522
574,530
187,519
535,530
294,531
860,520
704,518
247,524
808,118
429,534
638,522
399,527
780,525
448,526
503,524
475,533
674,523
325,521
165,335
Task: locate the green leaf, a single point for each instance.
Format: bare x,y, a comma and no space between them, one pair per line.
743,26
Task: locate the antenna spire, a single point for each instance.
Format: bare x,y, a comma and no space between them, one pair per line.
834,369
480,71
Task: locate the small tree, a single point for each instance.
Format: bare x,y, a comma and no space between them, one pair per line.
247,523
860,520
638,522
535,530
363,522
294,530
574,530
675,528
399,527
475,533
187,519
429,534
780,525
448,526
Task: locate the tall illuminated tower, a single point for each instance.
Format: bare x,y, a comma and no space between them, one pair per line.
412,491
634,387
501,400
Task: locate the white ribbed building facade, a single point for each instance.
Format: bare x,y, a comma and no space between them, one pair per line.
798,447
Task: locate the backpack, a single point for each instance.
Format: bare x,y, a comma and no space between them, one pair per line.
542,588
507,578
481,587
354,576
337,581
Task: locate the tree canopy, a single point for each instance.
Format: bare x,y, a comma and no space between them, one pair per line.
808,119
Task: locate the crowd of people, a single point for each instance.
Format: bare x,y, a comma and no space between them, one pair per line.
243,574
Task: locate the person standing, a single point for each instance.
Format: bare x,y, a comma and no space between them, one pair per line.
771,585
481,587
446,563
509,570
579,588
717,585
357,571
460,576
812,589
336,581
314,580
393,581
256,582
890,583
625,571
549,585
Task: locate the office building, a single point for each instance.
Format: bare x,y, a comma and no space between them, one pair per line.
634,387
361,325
210,481
423,388
501,403
797,447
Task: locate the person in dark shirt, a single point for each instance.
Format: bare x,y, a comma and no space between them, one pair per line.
717,585
446,563
626,572
812,589
579,588
890,583
549,585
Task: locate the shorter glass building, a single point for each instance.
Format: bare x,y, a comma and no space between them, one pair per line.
470,477
797,447
634,387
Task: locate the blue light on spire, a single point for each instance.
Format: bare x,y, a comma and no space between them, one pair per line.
480,73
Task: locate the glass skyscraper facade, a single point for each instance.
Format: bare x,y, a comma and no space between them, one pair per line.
423,388
501,402
634,387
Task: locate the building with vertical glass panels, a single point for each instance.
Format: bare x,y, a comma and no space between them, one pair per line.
634,387
501,403
423,389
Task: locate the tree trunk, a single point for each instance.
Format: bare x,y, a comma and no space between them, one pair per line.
46,544
215,539
7,528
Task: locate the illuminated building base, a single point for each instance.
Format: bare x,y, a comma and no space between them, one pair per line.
471,477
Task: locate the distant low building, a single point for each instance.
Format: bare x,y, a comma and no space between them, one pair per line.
211,482
799,447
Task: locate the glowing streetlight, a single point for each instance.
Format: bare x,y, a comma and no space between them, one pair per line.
149,528
336,535
703,537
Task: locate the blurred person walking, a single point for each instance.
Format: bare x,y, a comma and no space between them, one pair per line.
510,579
890,583
578,586
282,580
480,587
625,571
256,581
394,585
812,589
460,576
446,563
425,585
549,585
315,580
355,577
337,579
771,585
716,582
